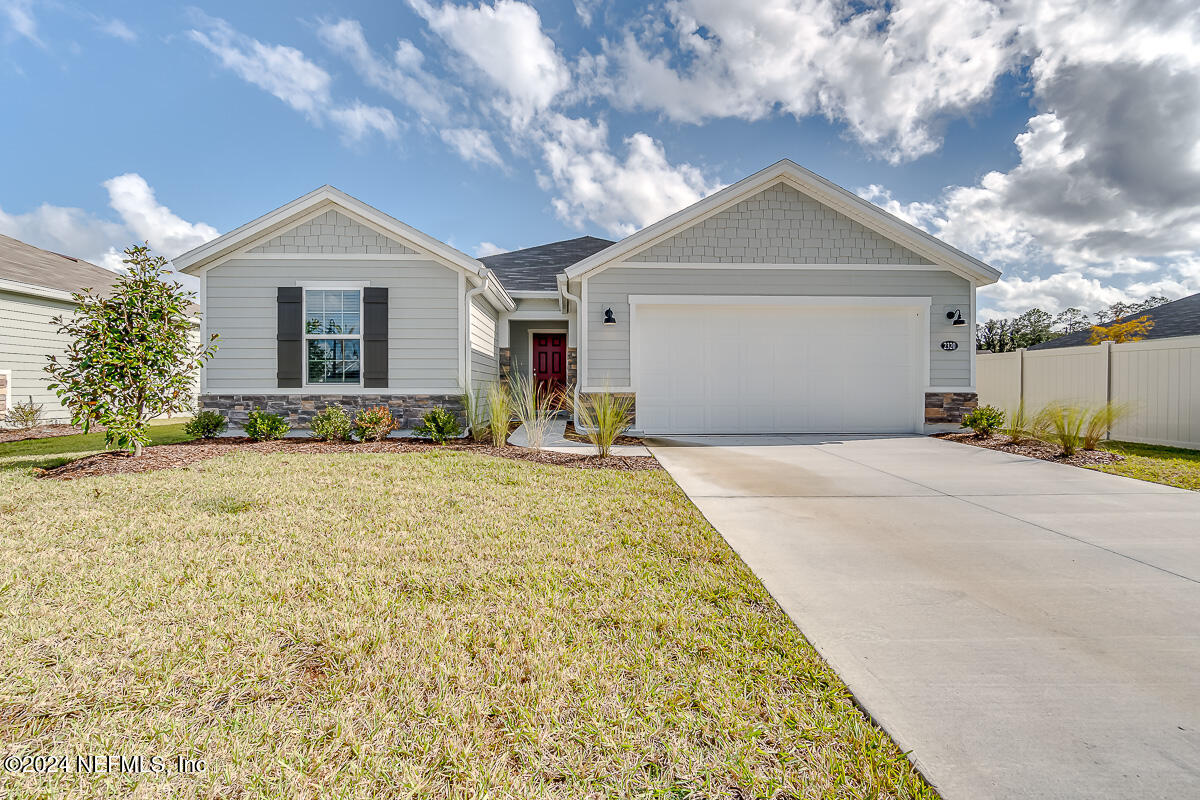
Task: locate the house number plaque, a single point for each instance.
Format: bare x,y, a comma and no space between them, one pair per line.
948,345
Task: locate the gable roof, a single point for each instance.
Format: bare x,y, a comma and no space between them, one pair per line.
537,268
327,198
54,274
1178,318
809,183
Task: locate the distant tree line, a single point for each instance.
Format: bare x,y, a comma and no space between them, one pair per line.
1036,326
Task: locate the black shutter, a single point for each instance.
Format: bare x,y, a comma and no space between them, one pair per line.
375,337
290,336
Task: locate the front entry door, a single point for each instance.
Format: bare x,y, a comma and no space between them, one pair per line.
549,362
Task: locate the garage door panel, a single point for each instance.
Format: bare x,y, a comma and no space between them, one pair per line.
743,369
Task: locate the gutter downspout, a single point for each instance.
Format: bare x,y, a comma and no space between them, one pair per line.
564,294
471,294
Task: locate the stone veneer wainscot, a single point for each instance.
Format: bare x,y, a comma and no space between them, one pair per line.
299,409
943,407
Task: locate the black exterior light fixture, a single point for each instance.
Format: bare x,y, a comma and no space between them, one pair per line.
609,319
956,315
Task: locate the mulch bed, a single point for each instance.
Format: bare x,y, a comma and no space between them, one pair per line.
173,456
41,432
1035,449
576,436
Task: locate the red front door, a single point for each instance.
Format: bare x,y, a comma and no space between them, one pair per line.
549,361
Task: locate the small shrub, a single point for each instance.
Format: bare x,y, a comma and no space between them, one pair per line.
24,416
1100,422
205,425
603,417
984,420
263,426
374,424
499,405
332,424
438,424
1065,426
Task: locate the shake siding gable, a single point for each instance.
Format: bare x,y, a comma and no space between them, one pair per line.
779,225
332,232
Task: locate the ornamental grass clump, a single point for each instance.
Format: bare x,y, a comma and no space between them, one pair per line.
534,408
604,416
374,424
1100,422
500,411
332,424
1065,425
438,424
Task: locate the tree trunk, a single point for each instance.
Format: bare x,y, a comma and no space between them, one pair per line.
137,449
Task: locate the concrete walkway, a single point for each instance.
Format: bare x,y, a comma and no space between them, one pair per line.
1026,629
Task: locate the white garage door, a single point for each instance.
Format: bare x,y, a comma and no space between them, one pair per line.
776,369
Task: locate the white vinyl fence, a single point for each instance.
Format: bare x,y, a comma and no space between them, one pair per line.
1158,379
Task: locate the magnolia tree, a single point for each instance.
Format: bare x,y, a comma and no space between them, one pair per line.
131,355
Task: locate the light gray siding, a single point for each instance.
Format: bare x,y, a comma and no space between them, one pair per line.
423,328
331,232
608,345
779,226
485,367
26,337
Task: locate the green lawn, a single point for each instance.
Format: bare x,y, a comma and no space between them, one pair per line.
1150,462
437,624
55,450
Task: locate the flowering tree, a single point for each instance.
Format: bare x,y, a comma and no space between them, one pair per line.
1133,330
131,355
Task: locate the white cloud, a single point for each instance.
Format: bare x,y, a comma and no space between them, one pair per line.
404,78
619,195
891,74
488,249
358,119
117,29
78,233
21,20
472,144
289,75
506,44
133,199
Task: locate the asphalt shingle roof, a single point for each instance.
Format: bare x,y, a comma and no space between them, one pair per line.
1178,318
25,263
535,268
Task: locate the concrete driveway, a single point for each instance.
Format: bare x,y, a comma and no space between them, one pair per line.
1026,629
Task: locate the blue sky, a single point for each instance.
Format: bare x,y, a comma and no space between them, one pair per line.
1059,145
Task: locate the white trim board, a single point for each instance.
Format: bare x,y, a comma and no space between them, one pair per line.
777,300
750,265
33,290
812,185
336,389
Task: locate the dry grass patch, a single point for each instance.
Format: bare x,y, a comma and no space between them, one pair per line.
438,624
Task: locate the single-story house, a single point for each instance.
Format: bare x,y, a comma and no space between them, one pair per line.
36,287
782,303
1177,318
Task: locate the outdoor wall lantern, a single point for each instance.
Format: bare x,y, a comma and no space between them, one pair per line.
956,315
609,319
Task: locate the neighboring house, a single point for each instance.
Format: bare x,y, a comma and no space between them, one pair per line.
35,287
1177,318
782,303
